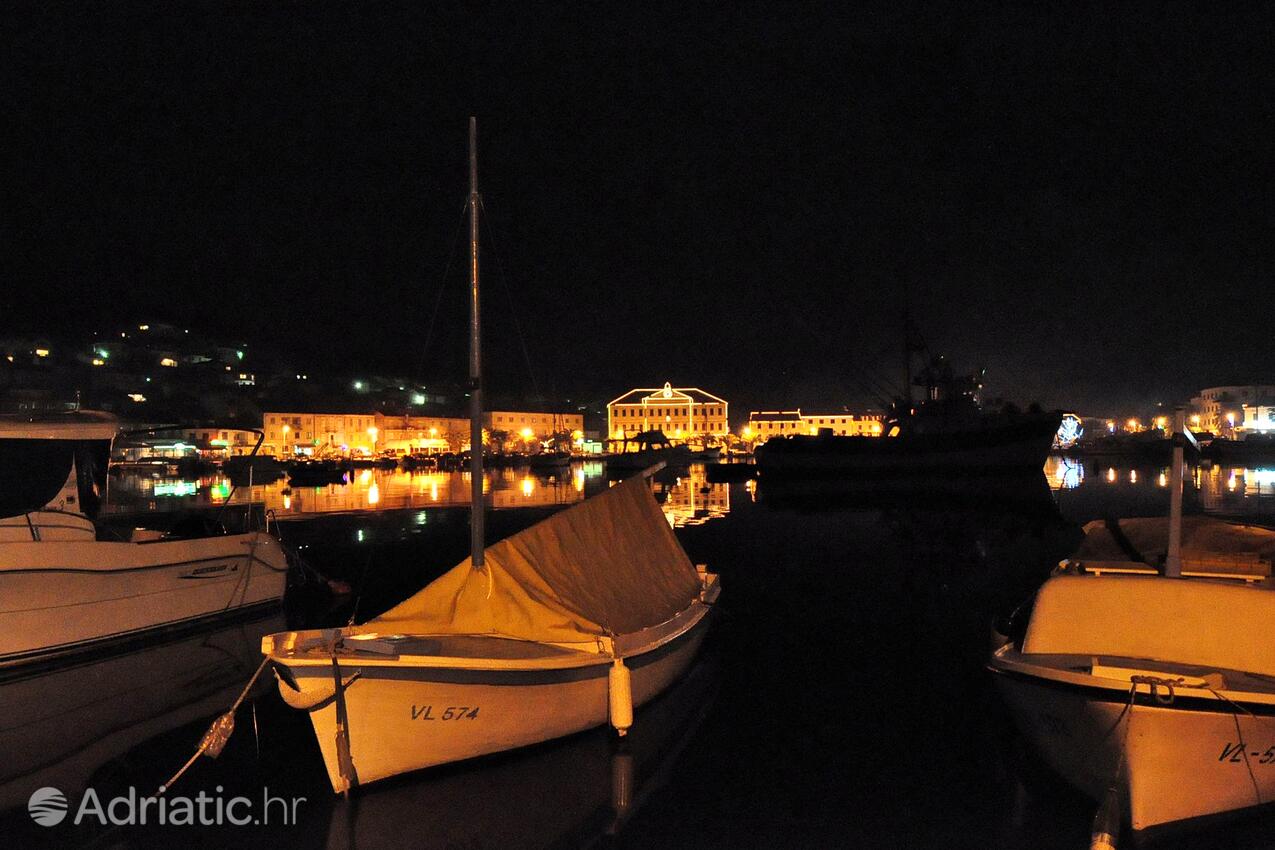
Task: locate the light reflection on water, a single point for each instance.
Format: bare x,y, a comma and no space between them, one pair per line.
686,497
1234,491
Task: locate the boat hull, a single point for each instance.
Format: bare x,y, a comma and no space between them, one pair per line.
63,597
1182,761
1020,446
404,719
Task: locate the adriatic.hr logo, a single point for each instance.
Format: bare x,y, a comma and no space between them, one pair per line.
49,807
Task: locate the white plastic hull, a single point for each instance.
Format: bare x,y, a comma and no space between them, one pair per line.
407,718
59,597
1183,761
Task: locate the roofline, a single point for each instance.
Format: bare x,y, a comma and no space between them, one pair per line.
653,390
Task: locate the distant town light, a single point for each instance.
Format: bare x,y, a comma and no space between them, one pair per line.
9,357
98,361
143,327
1161,422
358,385
103,353
239,354
42,352
418,398
1132,424
168,361
137,397
1195,419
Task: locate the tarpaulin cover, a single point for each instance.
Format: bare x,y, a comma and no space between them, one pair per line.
608,566
1148,537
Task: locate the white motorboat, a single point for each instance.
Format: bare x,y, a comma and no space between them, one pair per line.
557,629
67,586
1145,675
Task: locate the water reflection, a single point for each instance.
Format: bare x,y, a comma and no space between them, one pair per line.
1141,490
71,727
688,498
370,490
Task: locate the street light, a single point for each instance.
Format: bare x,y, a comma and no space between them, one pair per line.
372,432
286,429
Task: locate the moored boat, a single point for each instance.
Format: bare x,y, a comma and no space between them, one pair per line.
68,586
1143,673
562,627
596,605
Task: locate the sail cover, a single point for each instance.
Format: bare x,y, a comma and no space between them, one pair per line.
608,566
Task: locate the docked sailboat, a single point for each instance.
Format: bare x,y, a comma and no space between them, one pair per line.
562,627
1145,675
68,585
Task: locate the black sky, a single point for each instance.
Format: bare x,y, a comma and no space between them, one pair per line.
735,196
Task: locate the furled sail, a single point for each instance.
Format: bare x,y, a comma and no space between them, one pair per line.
608,566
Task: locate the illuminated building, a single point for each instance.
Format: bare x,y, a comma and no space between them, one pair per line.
680,412
319,433
764,424
422,434
532,427
1258,418
1221,409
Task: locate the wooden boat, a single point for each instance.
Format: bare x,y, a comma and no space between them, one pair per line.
64,590
557,629
1151,686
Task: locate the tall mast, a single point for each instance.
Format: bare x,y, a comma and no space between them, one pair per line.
475,365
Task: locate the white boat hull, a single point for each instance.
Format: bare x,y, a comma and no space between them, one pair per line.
58,597
402,719
1195,757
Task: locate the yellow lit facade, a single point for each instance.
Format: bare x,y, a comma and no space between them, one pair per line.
422,434
764,424
1221,409
681,413
532,427
320,433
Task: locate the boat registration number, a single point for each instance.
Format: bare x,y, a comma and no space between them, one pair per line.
1234,754
451,712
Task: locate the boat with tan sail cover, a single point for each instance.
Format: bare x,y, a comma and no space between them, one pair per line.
565,626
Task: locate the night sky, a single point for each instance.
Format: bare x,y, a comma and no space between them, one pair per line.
741,197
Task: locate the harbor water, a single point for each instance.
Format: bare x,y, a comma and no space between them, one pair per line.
841,700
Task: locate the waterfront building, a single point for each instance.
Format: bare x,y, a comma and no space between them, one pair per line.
319,433
680,412
1259,418
422,434
764,424
1221,409
529,427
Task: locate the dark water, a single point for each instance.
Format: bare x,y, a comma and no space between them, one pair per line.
840,702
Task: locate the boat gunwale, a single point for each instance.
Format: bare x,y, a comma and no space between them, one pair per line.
1009,662
578,654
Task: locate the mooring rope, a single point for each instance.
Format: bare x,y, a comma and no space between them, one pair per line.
214,740
1236,708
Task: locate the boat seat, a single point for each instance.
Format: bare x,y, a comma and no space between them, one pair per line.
1203,623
